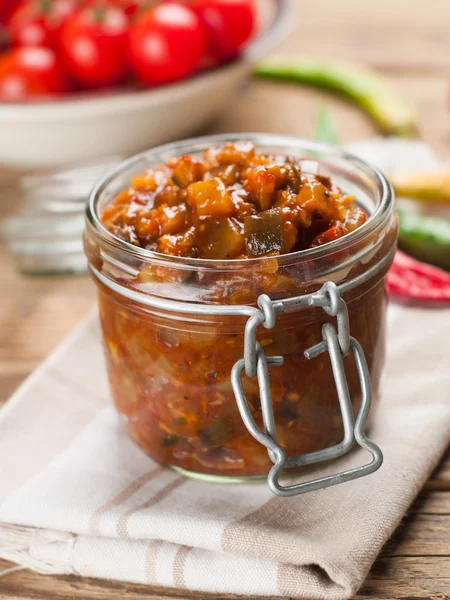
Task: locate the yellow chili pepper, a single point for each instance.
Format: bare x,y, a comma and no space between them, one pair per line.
428,186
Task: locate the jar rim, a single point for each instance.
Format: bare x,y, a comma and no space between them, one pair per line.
382,211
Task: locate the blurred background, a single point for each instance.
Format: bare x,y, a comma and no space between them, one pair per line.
85,84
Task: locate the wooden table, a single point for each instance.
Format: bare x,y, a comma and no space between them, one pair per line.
410,43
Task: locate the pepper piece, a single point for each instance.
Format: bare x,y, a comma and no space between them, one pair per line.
338,230
425,238
325,129
264,233
220,238
428,186
392,113
409,278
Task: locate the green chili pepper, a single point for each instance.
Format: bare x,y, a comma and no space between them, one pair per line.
392,113
425,238
325,129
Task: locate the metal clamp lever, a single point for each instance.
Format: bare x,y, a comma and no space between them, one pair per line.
337,344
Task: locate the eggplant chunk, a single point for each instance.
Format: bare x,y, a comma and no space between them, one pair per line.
264,233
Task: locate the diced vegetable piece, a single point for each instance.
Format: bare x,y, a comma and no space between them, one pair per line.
261,184
237,153
334,233
187,170
210,198
220,238
315,198
243,208
264,233
151,179
170,194
126,233
289,236
148,225
291,210
229,174
145,182
355,218
181,244
172,218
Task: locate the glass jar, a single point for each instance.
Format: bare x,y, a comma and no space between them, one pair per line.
173,330
45,234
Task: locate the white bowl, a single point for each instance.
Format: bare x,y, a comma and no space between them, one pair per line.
79,129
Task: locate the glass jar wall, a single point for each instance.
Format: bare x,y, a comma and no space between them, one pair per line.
170,371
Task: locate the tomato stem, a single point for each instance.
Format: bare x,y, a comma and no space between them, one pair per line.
45,6
98,13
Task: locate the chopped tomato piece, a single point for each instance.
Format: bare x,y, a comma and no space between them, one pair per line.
329,235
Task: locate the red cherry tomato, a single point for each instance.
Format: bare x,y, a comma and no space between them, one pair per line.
39,22
167,42
94,45
230,24
30,72
130,7
6,8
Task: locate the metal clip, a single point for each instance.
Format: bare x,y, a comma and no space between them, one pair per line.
337,344
265,316
329,298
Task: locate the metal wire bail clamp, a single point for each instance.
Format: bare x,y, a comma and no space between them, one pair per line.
337,343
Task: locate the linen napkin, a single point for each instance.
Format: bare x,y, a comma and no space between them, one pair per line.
77,496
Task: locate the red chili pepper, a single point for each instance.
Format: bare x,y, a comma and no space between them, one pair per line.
409,278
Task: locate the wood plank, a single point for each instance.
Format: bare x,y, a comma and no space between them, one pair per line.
35,314
440,479
396,36
404,567
409,577
421,535
432,502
